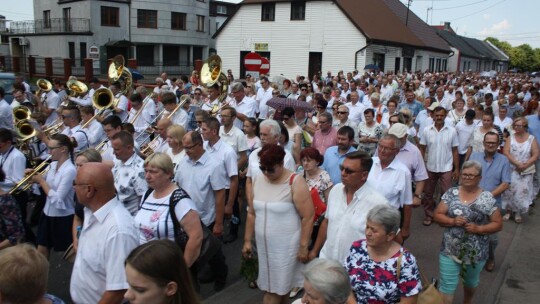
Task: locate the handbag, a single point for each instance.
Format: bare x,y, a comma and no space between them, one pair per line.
429,294
318,204
530,170
210,243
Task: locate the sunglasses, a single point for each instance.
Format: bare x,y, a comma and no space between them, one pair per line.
267,169
339,112
347,170
303,89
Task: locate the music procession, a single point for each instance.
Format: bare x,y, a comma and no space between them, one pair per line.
323,173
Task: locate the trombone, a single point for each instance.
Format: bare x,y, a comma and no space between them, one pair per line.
24,183
211,74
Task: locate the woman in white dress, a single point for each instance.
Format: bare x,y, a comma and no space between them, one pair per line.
522,152
281,218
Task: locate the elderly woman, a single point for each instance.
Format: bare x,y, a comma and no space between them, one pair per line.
325,282
522,151
470,215
380,270
281,217
457,114
369,133
154,218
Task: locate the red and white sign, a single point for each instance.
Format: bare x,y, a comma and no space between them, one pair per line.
265,66
252,61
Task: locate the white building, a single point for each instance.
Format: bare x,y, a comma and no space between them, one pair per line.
302,37
166,34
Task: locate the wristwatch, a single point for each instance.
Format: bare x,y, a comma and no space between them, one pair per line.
420,196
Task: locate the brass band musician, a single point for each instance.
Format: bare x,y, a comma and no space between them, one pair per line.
140,118
94,130
180,117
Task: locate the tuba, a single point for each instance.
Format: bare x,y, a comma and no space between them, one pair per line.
44,86
21,113
119,73
211,74
25,130
102,100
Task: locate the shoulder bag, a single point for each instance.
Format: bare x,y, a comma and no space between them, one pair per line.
429,294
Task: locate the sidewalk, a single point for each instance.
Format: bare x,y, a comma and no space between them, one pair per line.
520,283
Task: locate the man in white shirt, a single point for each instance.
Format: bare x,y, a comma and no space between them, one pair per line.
122,106
180,117
348,204
140,118
6,112
72,122
294,91
264,93
502,120
356,108
465,129
13,161
128,172
107,237
93,129
150,107
50,103
111,126
246,107
442,162
388,170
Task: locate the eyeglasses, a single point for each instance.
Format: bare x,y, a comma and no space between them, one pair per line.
319,107
196,93
275,93
199,121
322,122
303,89
66,116
286,117
224,116
347,170
190,147
339,112
469,176
519,126
490,143
52,148
267,169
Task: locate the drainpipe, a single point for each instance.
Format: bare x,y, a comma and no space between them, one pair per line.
356,56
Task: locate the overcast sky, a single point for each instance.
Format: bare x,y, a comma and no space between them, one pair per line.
508,20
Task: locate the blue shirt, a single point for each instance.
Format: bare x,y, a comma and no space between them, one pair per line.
415,107
534,125
494,173
332,160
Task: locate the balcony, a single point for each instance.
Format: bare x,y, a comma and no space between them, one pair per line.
50,26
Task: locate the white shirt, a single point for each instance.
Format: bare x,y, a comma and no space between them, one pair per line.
108,153
347,222
80,137
234,138
464,134
254,162
356,111
60,200
140,124
13,163
123,105
200,179
53,102
440,145
503,124
95,133
248,106
129,182
180,117
107,237
262,97
395,174
224,154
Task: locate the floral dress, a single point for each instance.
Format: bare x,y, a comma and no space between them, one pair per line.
456,242
376,282
520,194
11,224
322,182
376,131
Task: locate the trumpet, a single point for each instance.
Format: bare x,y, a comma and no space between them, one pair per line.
24,184
54,128
148,150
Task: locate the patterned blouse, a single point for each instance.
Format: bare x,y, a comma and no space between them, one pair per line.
473,247
11,225
376,282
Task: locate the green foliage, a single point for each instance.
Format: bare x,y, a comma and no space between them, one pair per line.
522,57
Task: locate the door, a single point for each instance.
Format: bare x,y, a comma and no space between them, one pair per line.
71,50
67,19
82,52
397,66
315,64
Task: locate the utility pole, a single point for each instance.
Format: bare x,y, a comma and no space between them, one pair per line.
408,9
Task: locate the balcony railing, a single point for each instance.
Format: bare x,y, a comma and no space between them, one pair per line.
56,25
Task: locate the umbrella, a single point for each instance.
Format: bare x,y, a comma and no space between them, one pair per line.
280,103
371,67
136,74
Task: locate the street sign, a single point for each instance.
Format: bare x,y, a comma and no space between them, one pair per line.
265,66
252,61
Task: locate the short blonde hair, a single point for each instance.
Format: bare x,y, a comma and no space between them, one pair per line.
177,133
161,161
23,274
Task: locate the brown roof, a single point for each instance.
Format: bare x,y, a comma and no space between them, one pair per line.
383,21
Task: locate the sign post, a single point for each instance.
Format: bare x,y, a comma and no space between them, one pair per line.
252,63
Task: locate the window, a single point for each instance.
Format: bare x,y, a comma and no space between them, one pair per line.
82,50
146,18
432,64
221,9
145,55
71,51
178,21
67,19
298,10
46,19
171,55
268,12
200,23
109,16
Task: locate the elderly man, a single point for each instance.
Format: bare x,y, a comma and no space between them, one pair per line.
343,120
264,93
160,145
442,161
334,156
246,107
107,237
326,135
356,108
128,171
496,178
348,204
203,177
388,170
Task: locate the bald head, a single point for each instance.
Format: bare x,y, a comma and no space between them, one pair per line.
162,126
94,185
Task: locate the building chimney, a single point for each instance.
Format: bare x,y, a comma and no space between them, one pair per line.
447,26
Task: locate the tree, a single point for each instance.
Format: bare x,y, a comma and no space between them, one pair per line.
523,57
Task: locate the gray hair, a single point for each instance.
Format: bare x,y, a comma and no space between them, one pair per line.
330,279
392,137
385,215
237,86
473,164
328,116
275,129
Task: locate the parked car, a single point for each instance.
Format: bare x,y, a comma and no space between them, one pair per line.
6,82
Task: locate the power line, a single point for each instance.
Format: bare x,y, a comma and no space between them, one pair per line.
459,6
485,9
15,13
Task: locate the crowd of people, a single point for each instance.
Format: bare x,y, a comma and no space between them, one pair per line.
329,179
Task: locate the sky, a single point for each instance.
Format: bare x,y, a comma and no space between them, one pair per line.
507,20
